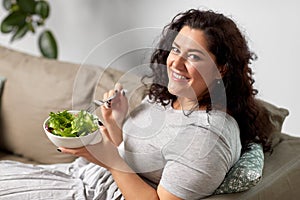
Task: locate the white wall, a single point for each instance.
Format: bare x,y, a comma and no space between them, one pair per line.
272,28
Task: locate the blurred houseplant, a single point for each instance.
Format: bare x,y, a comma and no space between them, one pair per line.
26,16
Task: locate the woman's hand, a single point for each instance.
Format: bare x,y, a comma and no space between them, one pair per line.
104,153
117,109
114,113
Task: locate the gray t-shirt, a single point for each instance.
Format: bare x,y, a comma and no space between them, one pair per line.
188,155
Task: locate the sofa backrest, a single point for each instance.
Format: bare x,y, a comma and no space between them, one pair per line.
36,86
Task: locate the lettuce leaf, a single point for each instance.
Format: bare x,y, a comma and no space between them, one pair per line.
66,124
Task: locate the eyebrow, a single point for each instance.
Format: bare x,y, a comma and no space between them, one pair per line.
193,50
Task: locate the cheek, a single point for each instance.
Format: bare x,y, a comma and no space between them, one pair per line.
206,73
195,72
203,78
169,63
169,60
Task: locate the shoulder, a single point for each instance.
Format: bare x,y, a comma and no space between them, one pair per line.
227,128
203,152
213,137
212,125
220,120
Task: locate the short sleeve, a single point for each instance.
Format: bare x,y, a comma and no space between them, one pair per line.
198,171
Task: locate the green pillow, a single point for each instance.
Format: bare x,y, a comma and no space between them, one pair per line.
245,173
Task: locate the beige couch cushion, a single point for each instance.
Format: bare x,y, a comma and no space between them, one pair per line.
34,87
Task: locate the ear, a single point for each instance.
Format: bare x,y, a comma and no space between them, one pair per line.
222,71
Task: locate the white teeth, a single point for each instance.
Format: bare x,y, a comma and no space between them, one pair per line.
178,76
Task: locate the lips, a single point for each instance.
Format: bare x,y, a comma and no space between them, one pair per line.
178,77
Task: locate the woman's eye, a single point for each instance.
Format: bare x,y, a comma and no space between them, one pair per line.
175,50
193,57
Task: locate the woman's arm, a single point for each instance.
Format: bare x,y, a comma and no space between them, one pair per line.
115,133
131,185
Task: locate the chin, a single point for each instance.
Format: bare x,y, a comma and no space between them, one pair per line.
187,92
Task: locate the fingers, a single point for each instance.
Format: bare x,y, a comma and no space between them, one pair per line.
107,104
73,151
108,95
118,90
118,87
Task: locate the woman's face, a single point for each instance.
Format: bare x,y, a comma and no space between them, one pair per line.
191,67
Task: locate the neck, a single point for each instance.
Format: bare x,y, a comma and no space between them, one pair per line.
182,103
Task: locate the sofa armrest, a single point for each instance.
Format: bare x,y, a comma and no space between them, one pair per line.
281,175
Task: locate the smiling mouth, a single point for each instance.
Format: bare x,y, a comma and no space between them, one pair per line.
179,77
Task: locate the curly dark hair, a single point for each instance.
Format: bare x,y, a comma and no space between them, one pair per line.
230,48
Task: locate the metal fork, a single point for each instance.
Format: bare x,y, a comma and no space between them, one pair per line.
96,103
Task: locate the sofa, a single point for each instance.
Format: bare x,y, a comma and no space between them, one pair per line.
32,87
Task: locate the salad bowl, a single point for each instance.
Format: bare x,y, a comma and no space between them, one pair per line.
71,138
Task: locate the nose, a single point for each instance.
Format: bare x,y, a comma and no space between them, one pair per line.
178,62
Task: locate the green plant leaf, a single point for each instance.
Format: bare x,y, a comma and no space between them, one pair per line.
47,44
5,28
42,8
7,4
21,32
15,19
14,8
27,6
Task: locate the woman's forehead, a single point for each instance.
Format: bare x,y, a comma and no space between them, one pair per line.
191,38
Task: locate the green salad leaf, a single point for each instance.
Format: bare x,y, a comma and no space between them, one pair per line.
66,124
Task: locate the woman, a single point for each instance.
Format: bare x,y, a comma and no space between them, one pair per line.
186,134
203,97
